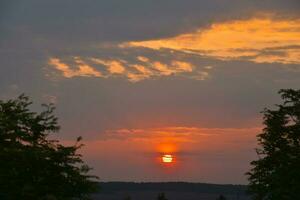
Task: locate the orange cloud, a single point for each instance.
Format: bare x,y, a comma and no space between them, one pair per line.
143,70
183,66
285,56
82,68
141,74
162,68
143,59
65,69
133,72
176,133
238,39
114,66
86,70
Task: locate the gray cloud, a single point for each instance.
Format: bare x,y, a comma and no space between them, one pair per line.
77,22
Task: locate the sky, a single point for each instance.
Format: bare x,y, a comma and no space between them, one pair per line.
139,79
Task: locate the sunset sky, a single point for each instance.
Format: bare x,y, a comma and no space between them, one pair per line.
144,81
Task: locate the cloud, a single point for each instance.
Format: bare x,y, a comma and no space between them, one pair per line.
288,55
183,66
141,68
82,68
261,39
143,59
113,67
238,39
175,133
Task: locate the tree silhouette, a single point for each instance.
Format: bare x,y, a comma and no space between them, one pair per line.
127,197
33,166
221,197
276,174
161,196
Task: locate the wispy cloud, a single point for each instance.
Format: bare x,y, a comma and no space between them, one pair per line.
238,39
113,66
175,133
263,39
81,69
138,69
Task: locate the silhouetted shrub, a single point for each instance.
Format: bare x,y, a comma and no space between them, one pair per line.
276,175
33,166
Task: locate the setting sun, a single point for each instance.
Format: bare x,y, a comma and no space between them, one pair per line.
167,158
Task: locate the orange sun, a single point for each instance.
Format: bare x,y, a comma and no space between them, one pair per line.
167,158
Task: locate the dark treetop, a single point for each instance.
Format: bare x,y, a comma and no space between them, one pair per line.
33,166
276,174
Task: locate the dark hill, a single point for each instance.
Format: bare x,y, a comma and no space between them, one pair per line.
173,191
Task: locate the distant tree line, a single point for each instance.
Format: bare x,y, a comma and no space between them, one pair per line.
110,187
162,196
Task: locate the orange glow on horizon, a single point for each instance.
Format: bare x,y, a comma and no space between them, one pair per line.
167,148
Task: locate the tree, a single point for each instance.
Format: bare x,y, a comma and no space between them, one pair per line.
127,197
33,166
221,197
276,173
161,196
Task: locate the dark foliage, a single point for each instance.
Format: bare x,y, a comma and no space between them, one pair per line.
276,174
127,197
113,187
161,196
33,166
221,197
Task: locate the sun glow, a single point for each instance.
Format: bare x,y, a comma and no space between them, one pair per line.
167,158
